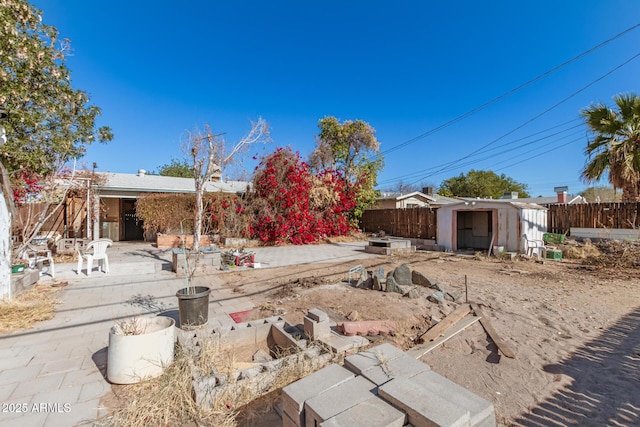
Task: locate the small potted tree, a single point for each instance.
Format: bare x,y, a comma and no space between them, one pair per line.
208,154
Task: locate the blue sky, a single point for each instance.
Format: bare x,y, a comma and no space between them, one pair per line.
159,68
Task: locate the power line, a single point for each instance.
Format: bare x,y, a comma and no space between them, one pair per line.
537,116
416,173
508,93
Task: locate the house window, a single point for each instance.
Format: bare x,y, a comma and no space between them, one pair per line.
412,205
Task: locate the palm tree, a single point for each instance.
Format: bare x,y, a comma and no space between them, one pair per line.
615,146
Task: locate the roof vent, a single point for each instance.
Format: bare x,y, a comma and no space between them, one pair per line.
141,172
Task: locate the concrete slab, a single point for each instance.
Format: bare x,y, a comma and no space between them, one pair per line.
480,410
329,404
373,412
295,395
423,407
317,315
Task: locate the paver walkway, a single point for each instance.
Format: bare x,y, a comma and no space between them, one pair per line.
54,374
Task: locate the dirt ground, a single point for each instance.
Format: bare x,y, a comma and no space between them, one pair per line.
575,329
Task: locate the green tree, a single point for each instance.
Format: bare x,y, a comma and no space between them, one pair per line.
352,149
481,184
601,194
614,147
49,122
177,168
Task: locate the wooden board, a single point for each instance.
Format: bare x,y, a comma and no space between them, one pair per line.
439,329
486,324
422,349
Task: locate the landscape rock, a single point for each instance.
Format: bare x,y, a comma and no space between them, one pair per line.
451,296
402,275
377,284
413,293
436,297
392,285
418,278
365,284
353,316
437,286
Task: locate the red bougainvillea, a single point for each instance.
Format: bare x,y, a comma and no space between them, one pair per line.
292,205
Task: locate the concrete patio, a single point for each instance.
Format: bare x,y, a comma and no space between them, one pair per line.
54,374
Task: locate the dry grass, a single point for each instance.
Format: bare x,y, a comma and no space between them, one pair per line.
36,305
581,252
168,399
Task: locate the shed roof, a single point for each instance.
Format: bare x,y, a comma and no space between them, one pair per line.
512,202
164,184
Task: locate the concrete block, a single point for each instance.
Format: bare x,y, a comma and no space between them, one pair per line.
373,412
296,394
340,344
371,357
241,334
317,315
278,336
377,250
480,410
423,407
401,367
329,404
287,421
315,330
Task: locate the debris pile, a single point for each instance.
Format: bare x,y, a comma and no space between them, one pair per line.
616,254
408,283
237,258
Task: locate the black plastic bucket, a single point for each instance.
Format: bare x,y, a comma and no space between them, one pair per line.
193,307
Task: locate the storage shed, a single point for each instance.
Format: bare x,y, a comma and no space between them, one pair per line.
480,224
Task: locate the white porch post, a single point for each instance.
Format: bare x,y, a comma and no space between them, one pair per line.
96,215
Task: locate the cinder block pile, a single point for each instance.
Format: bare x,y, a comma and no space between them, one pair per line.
382,387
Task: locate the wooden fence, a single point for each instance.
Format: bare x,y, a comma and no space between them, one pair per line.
417,223
560,218
69,219
422,222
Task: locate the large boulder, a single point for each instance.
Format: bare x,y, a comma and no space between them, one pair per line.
392,285
420,279
402,275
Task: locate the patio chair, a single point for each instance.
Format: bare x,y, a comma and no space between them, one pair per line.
99,247
536,245
36,256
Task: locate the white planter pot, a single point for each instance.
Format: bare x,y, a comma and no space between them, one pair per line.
133,358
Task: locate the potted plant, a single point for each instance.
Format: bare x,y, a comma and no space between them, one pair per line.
208,154
140,348
193,301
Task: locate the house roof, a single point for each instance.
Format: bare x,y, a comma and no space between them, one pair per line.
431,198
164,184
552,200
518,203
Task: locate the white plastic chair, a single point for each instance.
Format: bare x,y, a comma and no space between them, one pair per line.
537,245
99,254
36,256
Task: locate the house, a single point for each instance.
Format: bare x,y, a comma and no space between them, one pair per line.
415,199
117,194
482,223
561,198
